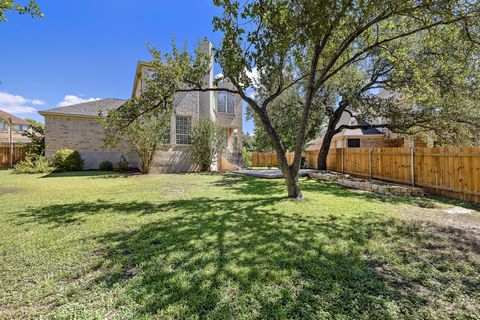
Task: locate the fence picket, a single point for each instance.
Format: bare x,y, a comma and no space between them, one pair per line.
453,172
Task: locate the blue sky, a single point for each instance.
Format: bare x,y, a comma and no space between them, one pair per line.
88,49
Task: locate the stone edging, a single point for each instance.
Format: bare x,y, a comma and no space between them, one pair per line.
379,187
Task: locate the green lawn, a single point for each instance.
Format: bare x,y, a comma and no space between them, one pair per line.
97,245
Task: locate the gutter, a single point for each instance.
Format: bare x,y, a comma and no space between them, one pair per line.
67,115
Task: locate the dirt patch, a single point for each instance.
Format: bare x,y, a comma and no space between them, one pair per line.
10,190
457,224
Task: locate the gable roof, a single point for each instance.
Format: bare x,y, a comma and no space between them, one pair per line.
87,109
369,130
16,120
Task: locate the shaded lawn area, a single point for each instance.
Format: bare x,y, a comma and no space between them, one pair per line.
96,245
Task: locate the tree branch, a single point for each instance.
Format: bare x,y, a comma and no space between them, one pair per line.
379,43
360,126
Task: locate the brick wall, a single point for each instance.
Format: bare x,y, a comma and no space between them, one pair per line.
84,135
381,143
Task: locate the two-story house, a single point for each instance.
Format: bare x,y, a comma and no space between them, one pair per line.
77,126
11,129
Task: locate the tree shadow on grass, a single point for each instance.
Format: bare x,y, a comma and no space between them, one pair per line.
90,174
211,257
59,215
257,186
249,257
221,258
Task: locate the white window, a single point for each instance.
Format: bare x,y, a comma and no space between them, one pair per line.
183,126
3,126
226,102
150,74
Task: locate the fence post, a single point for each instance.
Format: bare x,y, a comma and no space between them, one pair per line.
343,168
10,140
370,163
412,165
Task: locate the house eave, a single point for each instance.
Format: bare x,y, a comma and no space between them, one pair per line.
64,115
138,75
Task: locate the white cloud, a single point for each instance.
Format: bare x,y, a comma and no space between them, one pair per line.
18,105
253,75
37,102
11,99
71,99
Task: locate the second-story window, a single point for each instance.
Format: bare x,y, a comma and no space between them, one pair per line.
3,126
226,102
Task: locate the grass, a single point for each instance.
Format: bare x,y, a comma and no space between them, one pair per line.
96,245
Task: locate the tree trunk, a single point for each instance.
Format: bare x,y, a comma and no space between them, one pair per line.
322,155
334,118
290,172
293,186
291,180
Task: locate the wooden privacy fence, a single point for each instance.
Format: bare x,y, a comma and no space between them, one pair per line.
18,155
452,172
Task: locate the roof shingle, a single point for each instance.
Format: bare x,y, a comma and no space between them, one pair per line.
16,120
88,109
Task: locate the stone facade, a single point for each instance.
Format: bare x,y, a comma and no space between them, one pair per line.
383,142
85,135
366,141
178,157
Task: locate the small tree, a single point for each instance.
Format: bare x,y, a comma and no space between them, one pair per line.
207,143
148,135
144,120
37,138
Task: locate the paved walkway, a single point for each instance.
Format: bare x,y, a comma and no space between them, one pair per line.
271,173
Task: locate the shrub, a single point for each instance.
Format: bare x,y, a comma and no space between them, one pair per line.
33,164
246,158
67,160
121,165
207,141
105,166
148,134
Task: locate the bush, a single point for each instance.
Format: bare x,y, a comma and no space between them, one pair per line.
246,158
33,164
67,160
105,166
207,141
121,165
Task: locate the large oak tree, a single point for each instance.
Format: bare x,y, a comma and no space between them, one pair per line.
311,40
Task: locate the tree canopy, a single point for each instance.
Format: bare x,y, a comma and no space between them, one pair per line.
305,44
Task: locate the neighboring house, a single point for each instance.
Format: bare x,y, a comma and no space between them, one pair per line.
18,126
362,138
77,126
